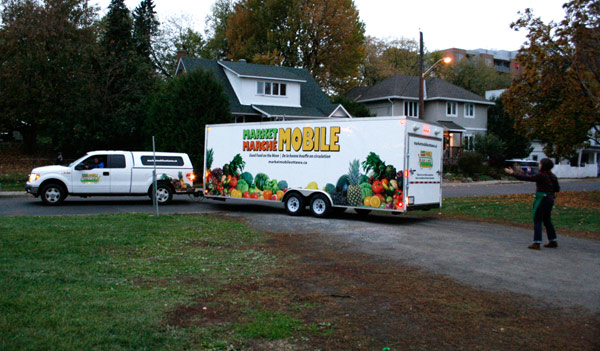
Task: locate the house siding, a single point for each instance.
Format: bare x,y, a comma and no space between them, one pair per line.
245,90
436,111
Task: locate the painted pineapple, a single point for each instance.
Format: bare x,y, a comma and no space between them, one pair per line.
354,191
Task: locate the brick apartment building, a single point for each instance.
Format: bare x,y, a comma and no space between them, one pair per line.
503,61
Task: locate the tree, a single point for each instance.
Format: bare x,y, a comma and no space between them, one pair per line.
325,37
179,109
117,37
47,52
216,31
492,147
125,79
384,59
145,27
557,97
502,125
177,35
475,75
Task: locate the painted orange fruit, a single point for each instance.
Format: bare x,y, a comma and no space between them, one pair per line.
375,201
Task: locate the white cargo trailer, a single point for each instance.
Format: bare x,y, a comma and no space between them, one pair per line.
384,163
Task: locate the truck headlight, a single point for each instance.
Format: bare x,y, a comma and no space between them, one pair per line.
33,177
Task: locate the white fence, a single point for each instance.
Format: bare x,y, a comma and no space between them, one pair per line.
567,171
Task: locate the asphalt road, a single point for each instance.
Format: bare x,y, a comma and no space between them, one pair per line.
513,187
487,256
23,205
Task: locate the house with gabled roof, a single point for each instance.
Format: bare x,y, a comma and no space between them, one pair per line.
462,113
264,92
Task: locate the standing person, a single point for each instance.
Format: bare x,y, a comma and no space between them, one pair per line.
59,159
546,186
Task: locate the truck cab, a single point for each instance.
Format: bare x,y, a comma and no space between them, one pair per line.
113,173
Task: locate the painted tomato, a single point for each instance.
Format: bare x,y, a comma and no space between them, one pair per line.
254,196
233,182
377,187
246,195
274,197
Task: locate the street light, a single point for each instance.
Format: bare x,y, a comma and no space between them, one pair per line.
446,60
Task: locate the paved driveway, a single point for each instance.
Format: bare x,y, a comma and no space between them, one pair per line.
490,256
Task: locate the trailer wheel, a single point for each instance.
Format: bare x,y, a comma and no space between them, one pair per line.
294,204
320,206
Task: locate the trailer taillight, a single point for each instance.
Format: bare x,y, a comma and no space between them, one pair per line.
406,173
191,176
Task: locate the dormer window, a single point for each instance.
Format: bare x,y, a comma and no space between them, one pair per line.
273,89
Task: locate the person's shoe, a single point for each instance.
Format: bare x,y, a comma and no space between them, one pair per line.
553,244
534,246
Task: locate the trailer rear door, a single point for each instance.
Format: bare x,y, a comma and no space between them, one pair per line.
425,171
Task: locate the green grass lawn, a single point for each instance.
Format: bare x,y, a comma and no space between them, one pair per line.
13,180
573,211
107,282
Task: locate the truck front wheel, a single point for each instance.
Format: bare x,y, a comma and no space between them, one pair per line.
53,194
294,204
320,206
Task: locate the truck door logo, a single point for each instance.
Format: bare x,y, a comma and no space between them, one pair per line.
90,178
425,159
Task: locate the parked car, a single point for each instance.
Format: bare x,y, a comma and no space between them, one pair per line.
114,173
528,167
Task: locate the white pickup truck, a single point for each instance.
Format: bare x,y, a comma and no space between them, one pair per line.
114,173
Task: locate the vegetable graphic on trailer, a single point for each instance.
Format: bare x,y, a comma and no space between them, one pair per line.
344,163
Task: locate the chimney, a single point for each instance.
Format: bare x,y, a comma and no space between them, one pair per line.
180,54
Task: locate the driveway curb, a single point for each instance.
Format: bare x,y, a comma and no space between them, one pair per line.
14,194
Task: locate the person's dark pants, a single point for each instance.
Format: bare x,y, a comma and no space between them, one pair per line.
542,215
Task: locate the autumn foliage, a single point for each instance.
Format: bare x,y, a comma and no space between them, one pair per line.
557,97
324,36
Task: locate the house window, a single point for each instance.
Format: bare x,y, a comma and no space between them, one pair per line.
469,110
267,88
451,109
411,108
468,142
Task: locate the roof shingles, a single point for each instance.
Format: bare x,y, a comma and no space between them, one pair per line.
408,87
314,102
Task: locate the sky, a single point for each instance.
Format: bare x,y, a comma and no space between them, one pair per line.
464,24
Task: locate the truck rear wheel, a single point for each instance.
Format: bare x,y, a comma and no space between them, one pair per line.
53,194
294,204
320,206
164,193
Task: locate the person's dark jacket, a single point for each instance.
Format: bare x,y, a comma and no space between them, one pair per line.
545,182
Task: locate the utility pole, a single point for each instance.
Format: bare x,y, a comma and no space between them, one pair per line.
421,79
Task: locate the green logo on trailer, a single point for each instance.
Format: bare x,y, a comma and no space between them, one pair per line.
425,159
